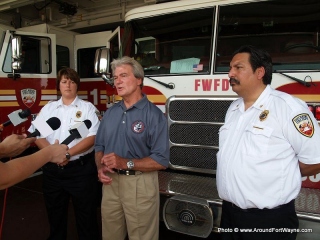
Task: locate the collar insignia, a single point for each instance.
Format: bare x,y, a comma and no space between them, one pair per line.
304,124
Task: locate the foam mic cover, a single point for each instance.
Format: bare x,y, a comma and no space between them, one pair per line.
88,123
45,128
25,113
79,130
17,117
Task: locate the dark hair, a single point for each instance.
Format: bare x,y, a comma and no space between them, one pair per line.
258,58
136,67
68,73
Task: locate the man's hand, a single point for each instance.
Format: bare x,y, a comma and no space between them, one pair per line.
103,169
112,160
102,175
14,144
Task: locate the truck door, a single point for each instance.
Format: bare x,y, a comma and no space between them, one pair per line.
114,45
92,87
32,84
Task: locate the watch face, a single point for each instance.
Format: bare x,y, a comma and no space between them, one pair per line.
68,156
130,164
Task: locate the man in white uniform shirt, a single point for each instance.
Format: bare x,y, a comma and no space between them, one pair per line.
264,150
76,177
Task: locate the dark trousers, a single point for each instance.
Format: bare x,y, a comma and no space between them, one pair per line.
78,182
265,224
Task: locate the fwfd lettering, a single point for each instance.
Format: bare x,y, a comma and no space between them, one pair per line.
211,85
28,91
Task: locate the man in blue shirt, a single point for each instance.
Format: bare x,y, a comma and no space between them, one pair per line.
131,144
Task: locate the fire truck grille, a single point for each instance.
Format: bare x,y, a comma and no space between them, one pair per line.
194,134
198,110
194,124
196,158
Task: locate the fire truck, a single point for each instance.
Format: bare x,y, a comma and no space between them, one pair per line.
185,48
30,58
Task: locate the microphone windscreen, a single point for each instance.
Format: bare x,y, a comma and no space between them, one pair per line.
25,113
88,123
54,123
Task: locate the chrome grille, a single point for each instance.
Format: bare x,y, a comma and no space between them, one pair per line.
198,110
195,134
194,124
199,158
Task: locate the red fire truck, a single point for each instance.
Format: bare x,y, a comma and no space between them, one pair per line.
185,48
28,80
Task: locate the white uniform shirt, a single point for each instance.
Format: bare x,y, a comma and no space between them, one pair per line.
259,150
70,115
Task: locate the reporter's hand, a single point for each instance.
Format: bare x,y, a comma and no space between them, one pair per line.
15,144
58,152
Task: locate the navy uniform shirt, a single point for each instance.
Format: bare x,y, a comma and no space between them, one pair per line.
137,132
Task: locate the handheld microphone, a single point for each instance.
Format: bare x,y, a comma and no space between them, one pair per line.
79,130
17,117
45,128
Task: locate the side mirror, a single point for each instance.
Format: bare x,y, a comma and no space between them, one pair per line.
16,48
102,64
102,61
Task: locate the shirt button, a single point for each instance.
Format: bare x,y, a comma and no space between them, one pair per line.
124,112
123,121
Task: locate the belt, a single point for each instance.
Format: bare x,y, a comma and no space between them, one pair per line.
127,172
291,203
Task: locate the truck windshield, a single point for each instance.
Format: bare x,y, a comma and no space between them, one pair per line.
184,42
171,44
288,30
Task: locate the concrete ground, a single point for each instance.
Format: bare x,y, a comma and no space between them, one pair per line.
25,217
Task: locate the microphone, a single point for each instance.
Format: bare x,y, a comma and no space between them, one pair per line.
44,128
79,130
17,117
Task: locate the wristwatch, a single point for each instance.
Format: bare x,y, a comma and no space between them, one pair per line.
68,156
130,164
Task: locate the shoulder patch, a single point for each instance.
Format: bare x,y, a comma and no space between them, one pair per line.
98,114
304,124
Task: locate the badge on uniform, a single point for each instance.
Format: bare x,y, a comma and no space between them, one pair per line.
78,114
263,116
138,126
304,124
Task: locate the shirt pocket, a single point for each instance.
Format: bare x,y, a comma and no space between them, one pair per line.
224,132
257,139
